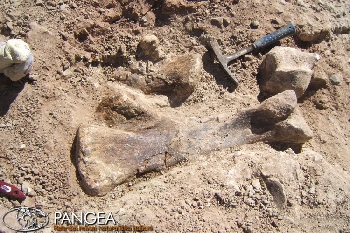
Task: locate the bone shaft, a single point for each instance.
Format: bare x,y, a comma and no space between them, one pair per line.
213,135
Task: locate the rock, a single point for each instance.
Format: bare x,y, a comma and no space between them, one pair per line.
277,192
321,103
327,53
226,21
148,20
274,223
149,48
286,68
336,79
217,21
250,202
137,81
170,7
248,229
256,184
112,15
22,146
293,130
310,33
315,157
275,109
312,190
220,22
249,57
249,191
39,2
319,79
68,73
135,10
87,29
321,100
255,24
26,189
279,120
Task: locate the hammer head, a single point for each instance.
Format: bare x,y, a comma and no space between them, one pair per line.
223,60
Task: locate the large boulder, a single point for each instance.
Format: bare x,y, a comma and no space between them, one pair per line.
286,68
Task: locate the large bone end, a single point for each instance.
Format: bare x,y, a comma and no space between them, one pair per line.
107,157
97,175
279,119
275,108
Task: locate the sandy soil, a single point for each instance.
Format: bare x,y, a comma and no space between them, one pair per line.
81,46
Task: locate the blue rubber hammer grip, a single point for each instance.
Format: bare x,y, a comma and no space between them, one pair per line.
285,31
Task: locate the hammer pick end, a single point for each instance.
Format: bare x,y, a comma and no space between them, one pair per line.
223,60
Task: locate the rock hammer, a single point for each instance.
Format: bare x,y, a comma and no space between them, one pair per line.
283,32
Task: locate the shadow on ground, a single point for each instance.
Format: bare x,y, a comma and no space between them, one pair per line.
9,91
215,69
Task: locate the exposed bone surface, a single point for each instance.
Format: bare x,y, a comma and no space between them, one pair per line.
107,157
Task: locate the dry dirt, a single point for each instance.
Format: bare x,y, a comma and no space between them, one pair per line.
79,48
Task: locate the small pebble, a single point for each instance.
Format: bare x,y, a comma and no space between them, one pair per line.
336,79
25,187
249,57
250,202
39,2
255,24
256,184
247,229
265,202
22,146
226,21
217,21
274,223
312,190
327,53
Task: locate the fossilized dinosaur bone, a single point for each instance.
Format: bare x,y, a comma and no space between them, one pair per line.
107,157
